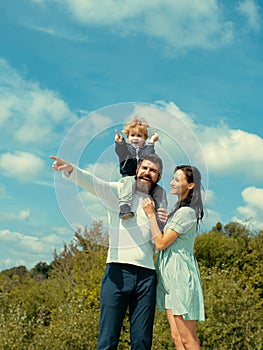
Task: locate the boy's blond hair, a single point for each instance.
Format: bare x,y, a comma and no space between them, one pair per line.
137,124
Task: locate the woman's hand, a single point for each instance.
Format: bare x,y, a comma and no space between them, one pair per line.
148,207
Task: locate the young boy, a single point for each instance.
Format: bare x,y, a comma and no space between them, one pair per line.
130,151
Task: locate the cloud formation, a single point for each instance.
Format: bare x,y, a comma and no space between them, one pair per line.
30,115
252,212
226,150
180,25
23,166
251,12
32,249
22,215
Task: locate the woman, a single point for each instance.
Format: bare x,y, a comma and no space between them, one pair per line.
179,290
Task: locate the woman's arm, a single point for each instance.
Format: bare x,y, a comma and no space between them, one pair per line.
161,240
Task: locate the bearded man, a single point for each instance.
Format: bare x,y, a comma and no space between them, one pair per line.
129,280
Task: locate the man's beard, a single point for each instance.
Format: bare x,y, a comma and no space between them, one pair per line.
142,186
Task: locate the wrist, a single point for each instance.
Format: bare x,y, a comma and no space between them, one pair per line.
151,215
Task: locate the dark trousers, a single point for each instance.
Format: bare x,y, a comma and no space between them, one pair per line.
127,286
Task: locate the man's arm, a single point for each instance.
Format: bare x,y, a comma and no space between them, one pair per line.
106,191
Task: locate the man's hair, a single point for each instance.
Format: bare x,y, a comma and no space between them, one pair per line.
136,124
154,158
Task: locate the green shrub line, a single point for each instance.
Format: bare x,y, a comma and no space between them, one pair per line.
56,306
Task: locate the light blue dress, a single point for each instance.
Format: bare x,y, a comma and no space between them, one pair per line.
179,284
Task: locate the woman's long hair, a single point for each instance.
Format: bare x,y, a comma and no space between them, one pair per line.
194,198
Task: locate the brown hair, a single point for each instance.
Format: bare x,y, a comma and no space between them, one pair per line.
194,199
136,124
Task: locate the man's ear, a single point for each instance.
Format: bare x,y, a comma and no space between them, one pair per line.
159,177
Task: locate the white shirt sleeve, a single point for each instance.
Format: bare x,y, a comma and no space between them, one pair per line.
106,191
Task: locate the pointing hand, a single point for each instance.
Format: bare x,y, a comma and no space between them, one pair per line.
61,165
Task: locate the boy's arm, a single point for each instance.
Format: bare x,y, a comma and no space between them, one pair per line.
118,136
121,149
154,138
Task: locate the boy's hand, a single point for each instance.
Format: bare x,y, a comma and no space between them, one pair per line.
118,136
154,138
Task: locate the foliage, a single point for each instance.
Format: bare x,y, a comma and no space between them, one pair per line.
56,306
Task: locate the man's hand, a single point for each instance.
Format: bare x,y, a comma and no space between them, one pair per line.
118,136
154,138
61,165
162,214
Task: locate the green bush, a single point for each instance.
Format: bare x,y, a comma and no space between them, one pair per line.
56,307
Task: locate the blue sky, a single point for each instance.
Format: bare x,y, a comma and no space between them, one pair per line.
72,71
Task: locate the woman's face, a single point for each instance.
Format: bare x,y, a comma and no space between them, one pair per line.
179,185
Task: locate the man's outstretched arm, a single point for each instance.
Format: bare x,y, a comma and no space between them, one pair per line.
106,191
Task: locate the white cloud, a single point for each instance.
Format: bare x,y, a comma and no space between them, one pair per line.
22,215
20,242
80,136
225,150
252,212
253,196
209,197
179,24
22,249
250,11
210,219
232,151
28,114
23,166
105,170
62,231
10,263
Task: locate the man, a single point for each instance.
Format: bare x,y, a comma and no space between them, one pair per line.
130,278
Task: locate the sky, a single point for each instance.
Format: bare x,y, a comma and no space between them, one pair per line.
73,71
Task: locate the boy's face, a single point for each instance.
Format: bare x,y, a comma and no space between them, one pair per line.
136,138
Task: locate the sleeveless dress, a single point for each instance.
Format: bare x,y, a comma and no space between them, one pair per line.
179,284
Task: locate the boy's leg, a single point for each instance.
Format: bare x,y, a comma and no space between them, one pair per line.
114,300
158,194
142,309
125,196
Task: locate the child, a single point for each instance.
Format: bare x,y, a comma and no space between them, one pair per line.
129,153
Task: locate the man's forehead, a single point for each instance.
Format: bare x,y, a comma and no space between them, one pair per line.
149,164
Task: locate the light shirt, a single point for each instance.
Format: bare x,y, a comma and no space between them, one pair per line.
130,241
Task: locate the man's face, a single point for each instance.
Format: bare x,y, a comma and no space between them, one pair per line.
147,176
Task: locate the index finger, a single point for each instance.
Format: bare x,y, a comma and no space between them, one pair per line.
53,157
